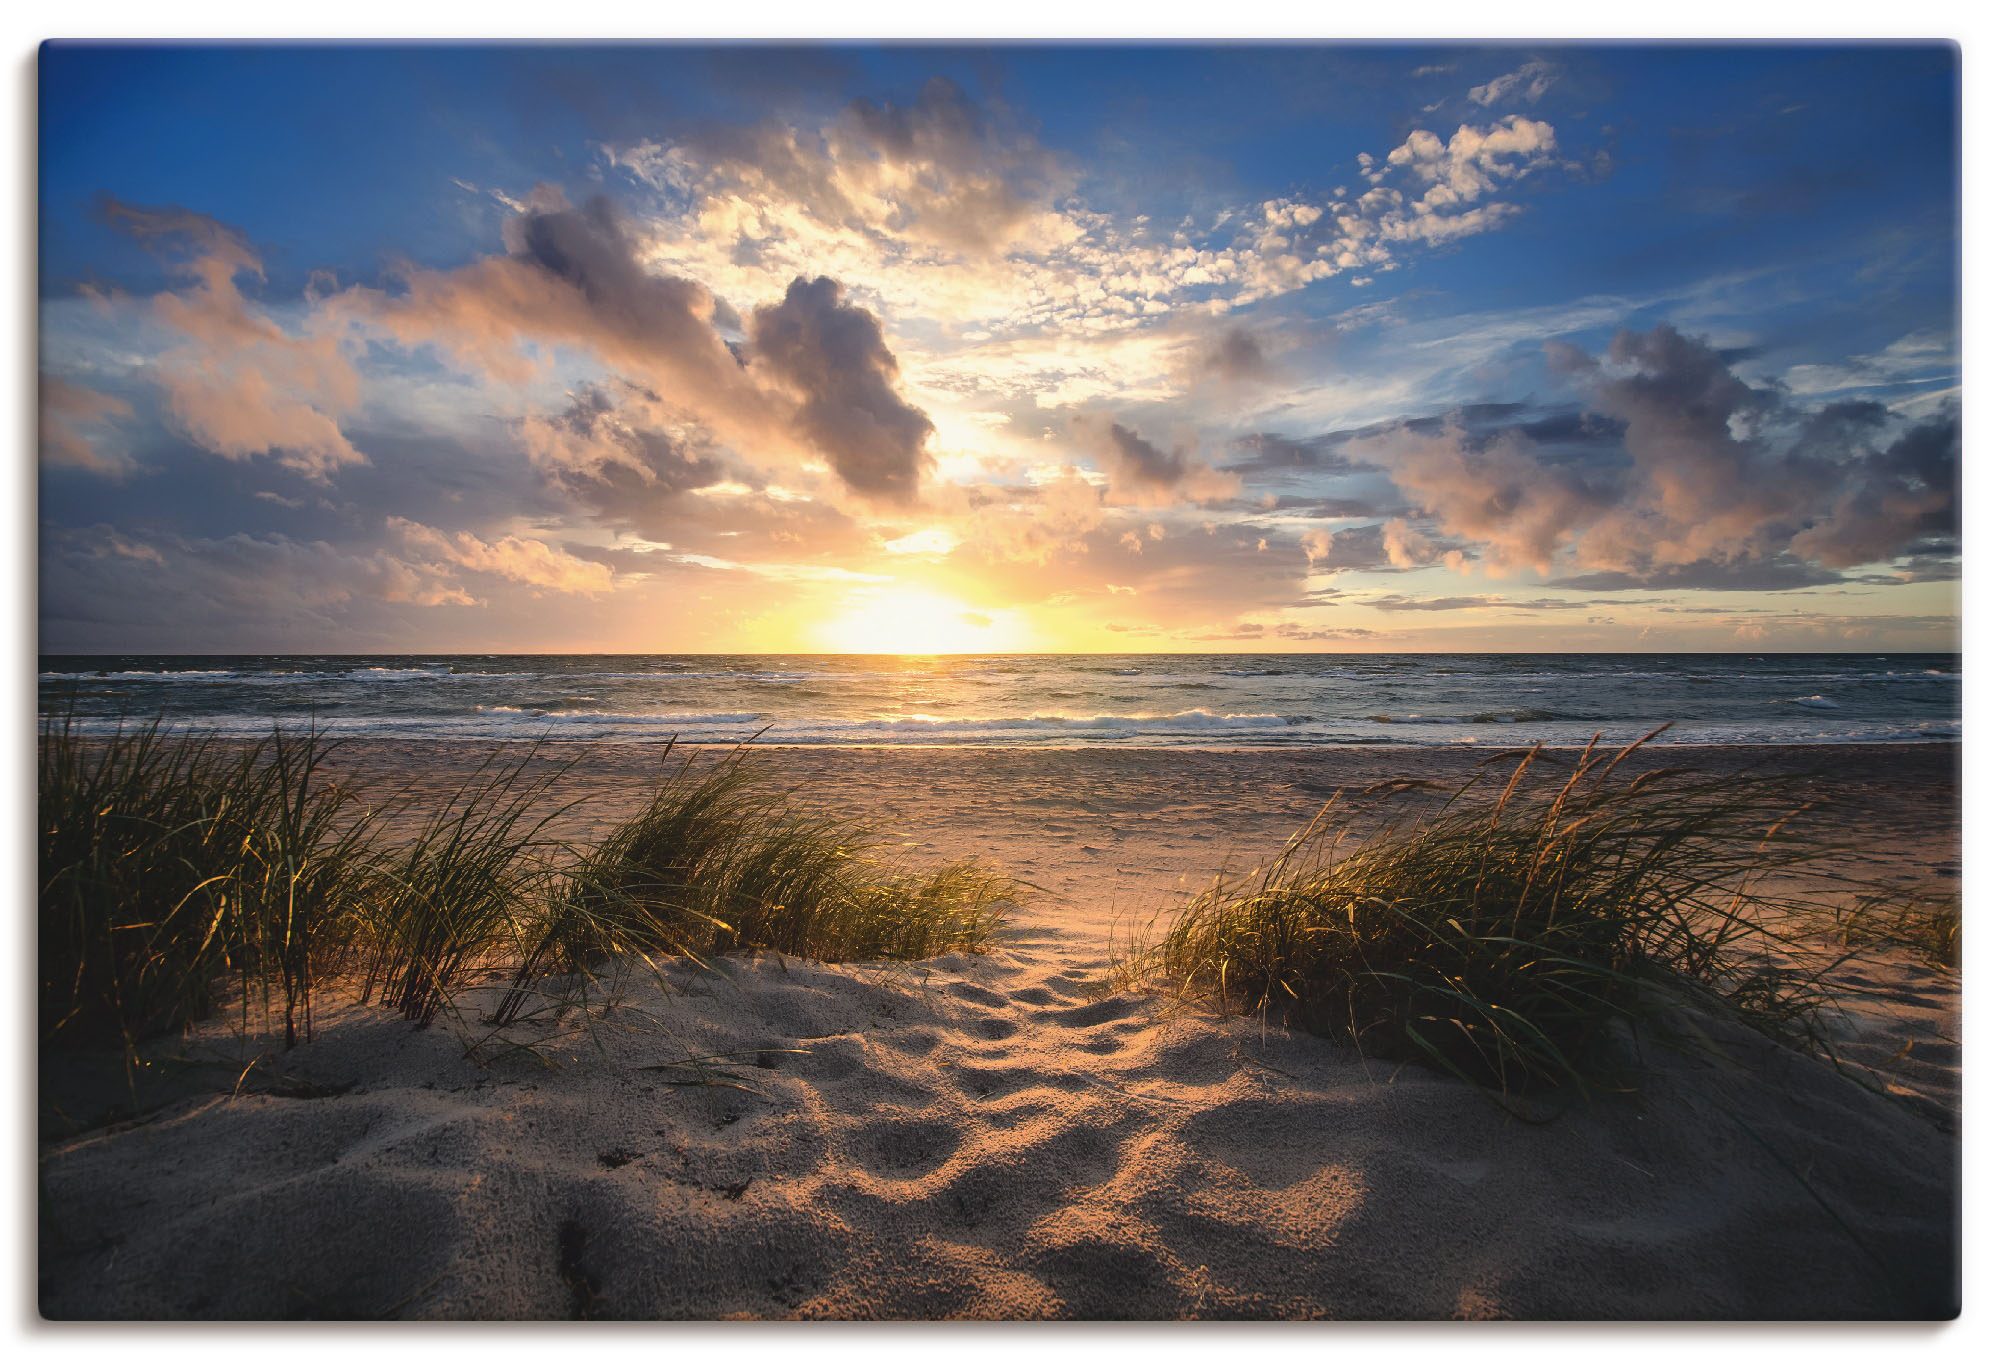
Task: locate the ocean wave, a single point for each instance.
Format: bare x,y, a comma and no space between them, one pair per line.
642,719
203,676
1194,719
739,676
1813,701
1462,719
396,674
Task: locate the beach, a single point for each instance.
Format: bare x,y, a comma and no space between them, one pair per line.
1020,1133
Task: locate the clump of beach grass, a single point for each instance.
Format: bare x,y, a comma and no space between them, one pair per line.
723,859
168,861
1500,940
177,866
1928,927
447,899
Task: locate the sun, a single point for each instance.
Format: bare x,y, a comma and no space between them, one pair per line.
911,621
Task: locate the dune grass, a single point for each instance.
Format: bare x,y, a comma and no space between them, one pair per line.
1500,939
723,858
443,901
168,861
176,867
1927,927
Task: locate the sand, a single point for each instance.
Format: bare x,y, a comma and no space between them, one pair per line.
1010,1135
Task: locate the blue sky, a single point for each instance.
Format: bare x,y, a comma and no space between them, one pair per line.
984,348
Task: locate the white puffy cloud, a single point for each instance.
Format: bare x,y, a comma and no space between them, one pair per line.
940,210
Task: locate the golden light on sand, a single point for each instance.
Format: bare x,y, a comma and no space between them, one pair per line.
910,620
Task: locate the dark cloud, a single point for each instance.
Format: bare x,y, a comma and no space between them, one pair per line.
1234,359
1268,452
1560,434
816,376
1325,507
831,356
1349,549
1890,498
654,314
1139,460
1429,603
165,592
1141,472
1779,574
607,453
1679,471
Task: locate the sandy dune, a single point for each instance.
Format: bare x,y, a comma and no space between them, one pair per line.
1004,1136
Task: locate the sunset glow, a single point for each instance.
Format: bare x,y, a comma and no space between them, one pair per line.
913,621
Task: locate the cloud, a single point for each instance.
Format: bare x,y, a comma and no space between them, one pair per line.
1142,473
1266,452
1529,83
1920,357
570,277
1031,525
940,172
815,379
1456,174
241,385
1429,603
831,357
1322,507
531,562
71,421
1235,359
1348,549
613,437
1298,632
1715,475
943,206
1521,510
1780,574
171,592
1406,546
1891,499
1128,569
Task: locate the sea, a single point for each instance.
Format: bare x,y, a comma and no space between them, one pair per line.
1236,701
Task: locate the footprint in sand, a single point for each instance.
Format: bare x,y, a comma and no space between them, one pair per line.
1097,1012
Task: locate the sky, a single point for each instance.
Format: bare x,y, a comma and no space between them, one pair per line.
1004,348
